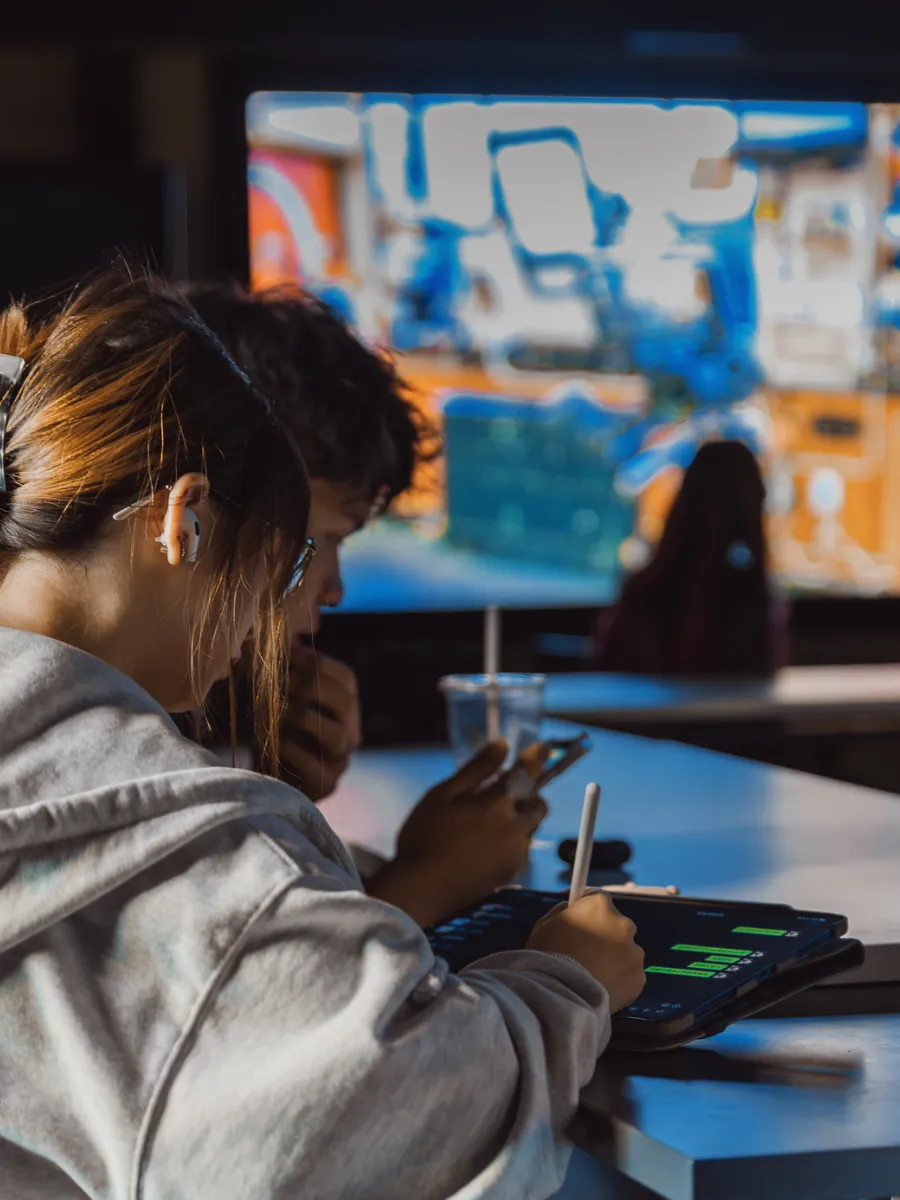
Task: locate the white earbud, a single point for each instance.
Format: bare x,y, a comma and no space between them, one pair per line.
188,537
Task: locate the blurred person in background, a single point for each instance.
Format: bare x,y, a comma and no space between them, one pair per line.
198,998
361,438
703,605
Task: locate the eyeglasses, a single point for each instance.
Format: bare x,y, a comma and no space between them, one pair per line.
379,503
298,574
12,368
307,554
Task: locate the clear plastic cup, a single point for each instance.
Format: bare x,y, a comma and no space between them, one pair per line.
519,703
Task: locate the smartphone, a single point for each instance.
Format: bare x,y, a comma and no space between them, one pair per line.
564,753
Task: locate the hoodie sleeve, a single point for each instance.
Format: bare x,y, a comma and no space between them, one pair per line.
339,1059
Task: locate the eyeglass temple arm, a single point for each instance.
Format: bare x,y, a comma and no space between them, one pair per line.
124,513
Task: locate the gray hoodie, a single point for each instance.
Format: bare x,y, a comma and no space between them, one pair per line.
197,999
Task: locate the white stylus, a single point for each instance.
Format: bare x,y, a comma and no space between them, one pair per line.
582,864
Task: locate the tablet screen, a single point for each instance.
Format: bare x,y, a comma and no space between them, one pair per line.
695,951
695,954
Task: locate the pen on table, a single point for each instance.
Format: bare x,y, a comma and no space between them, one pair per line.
582,863
636,889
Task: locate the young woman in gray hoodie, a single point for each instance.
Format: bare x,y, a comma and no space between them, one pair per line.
197,999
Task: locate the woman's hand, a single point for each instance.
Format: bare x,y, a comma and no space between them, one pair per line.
597,935
322,726
465,838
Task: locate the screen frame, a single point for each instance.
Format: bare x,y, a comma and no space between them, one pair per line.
619,65
788,65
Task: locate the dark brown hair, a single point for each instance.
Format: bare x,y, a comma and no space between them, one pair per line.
125,389
350,411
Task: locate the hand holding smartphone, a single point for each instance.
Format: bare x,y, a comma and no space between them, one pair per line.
562,753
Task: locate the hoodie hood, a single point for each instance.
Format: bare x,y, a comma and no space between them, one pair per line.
97,784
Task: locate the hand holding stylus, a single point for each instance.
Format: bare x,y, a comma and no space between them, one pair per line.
590,928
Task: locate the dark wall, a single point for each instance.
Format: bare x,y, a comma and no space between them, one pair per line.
95,139
103,86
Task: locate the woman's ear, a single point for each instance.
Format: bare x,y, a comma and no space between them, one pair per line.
181,532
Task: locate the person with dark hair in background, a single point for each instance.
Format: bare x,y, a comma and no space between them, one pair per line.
702,606
361,438
198,998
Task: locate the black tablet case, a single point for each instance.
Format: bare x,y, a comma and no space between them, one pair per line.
835,958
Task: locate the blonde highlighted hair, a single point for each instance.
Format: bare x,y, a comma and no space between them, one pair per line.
125,389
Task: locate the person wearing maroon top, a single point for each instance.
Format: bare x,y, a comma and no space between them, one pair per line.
703,604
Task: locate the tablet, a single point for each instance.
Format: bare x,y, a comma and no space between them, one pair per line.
704,959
